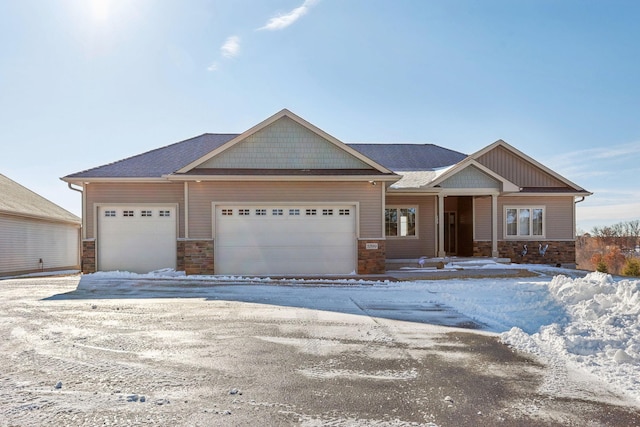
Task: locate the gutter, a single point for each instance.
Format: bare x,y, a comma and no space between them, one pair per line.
74,189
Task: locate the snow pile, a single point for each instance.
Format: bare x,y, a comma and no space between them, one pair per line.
601,333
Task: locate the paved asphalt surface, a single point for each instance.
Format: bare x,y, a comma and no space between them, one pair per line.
195,360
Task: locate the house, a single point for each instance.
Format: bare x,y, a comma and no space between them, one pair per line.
286,198
35,234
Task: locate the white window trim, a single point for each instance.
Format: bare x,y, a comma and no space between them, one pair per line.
416,236
518,236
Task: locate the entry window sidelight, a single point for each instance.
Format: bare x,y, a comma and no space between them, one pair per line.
400,221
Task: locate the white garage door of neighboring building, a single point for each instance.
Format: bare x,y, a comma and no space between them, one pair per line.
136,238
272,240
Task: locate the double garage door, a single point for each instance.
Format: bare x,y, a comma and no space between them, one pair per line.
289,239
136,238
249,239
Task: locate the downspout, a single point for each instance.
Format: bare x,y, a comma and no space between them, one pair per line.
82,227
579,201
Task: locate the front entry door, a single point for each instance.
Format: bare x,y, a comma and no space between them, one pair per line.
450,233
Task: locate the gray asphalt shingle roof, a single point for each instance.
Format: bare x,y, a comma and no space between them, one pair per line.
410,157
161,161
168,159
19,200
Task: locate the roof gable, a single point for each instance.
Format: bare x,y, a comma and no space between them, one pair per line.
471,174
19,200
281,142
521,169
471,177
284,144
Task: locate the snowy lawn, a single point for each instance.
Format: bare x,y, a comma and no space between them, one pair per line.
589,324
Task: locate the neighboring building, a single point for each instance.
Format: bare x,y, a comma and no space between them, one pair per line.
285,197
35,234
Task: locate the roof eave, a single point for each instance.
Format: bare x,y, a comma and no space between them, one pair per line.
354,178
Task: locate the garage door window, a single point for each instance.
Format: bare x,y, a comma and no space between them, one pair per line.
261,212
277,212
146,213
243,212
344,212
227,212
294,212
110,213
311,212
127,213
165,213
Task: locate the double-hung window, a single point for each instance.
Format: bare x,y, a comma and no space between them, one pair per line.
400,221
524,221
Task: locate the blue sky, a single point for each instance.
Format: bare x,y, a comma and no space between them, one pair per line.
84,83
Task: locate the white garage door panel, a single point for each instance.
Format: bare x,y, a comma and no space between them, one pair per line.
136,243
285,244
264,238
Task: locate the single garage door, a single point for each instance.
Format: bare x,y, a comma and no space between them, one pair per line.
272,240
136,238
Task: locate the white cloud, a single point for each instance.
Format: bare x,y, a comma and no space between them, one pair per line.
231,47
213,67
283,21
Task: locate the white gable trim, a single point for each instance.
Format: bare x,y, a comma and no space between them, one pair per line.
534,162
507,186
285,113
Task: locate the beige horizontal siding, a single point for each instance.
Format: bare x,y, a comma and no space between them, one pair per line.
132,193
203,194
424,245
558,214
482,218
26,241
517,170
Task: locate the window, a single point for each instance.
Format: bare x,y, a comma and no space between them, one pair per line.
344,212
276,212
127,213
145,213
294,212
227,212
261,212
311,212
400,222
524,221
109,213
327,212
164,213
243,212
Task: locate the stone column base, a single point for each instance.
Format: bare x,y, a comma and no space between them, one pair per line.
88,259
371,256
198,256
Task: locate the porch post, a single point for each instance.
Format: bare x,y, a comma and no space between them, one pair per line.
441,252
494,226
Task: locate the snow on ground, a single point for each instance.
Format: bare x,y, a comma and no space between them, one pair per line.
600,333
588,324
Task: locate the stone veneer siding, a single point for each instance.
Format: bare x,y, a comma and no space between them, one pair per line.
88,256
180,255
371,261
198,256
562,252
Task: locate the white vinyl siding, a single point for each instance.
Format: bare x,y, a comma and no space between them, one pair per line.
26,241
